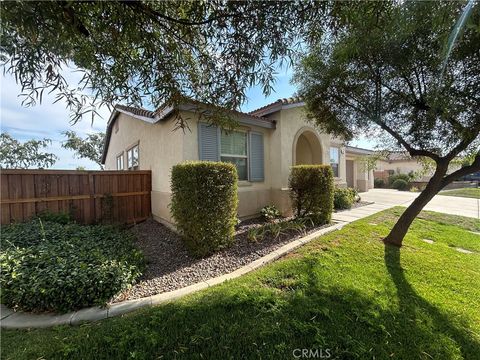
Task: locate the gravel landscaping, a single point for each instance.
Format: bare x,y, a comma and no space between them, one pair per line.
171,267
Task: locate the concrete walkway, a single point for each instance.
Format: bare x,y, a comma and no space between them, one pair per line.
387,198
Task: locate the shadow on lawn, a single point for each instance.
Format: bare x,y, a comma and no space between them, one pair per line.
419,313
292,306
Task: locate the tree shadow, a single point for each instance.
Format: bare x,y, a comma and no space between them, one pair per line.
419,313
292,306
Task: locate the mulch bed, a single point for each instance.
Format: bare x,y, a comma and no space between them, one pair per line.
171,267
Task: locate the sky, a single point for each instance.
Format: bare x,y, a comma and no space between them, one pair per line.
48,120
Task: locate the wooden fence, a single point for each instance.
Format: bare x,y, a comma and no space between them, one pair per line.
88,196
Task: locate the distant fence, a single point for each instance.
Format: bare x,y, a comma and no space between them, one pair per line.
88,196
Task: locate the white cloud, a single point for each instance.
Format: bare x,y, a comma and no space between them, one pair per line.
45,120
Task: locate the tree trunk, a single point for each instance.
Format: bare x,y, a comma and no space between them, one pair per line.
399,230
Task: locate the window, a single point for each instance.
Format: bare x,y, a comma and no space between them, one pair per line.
132,158
233,149
335,160
120,162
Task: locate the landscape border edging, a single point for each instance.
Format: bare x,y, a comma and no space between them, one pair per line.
22,320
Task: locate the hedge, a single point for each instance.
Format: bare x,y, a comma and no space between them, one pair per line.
204,204
49,266
311,191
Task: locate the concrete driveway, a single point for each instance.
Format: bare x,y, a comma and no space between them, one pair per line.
446,204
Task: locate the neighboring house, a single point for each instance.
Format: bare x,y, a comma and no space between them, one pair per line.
399,162
266,144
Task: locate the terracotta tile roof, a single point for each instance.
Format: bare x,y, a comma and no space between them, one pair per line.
358,150
269,108
136,111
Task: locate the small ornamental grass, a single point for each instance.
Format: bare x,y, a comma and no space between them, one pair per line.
204,204
49,266
311,191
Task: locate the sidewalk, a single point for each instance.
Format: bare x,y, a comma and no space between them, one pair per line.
387,198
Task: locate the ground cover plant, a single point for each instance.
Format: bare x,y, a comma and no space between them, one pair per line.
61,266
346,292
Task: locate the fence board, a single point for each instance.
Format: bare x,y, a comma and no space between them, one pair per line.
89,196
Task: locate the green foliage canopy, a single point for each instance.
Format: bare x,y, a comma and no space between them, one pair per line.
382,74
17,155
90,147
152,53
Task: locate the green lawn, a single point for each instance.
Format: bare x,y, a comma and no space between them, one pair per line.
345,292
465,192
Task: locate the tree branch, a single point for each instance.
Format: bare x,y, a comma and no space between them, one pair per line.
475,166
156,14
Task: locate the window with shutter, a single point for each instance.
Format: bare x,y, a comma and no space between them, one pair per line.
243,149
234,150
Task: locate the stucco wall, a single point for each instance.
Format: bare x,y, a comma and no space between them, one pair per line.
402,166
291,125
160,147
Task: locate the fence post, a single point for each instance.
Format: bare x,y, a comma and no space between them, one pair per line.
91,188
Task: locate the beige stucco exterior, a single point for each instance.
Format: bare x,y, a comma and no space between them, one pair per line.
293,141
400,166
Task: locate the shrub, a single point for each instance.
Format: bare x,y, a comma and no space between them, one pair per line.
204,204
394,177
378,183
270,213
311,191
400,184
48,266
344,198
60,217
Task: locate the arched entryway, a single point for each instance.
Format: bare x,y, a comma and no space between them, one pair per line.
307,149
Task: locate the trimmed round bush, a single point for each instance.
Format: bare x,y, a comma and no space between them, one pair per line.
400,184
311,191
48,266
394,177
204,204
344,198
378,183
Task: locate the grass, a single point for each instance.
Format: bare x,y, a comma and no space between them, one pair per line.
464,192
345,292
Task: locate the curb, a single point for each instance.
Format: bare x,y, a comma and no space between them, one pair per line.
10,319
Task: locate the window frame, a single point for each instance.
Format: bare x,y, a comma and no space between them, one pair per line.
247,150
122,157
130,150
338,161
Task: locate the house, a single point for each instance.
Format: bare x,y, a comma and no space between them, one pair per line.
399,162
267,142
